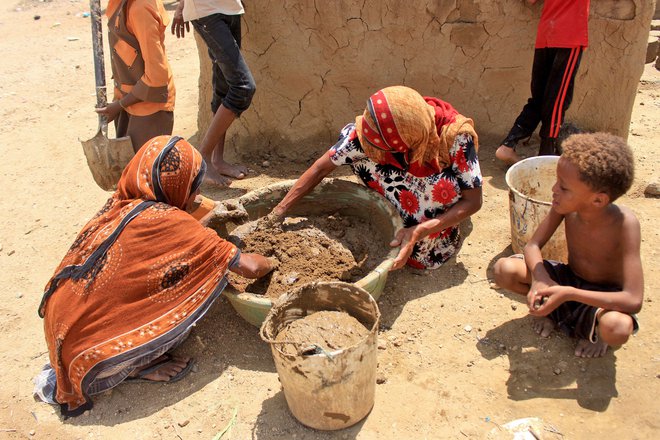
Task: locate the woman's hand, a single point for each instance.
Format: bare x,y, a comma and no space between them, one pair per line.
110,111
179,27
405,238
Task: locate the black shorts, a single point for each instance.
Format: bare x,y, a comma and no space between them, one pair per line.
576,319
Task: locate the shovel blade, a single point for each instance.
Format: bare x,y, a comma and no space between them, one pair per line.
107,158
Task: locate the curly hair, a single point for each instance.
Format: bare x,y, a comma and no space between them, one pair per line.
605,162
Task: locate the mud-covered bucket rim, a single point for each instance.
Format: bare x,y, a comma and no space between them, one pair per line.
520,164
287,299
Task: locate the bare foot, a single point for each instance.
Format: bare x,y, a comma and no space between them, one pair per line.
587,349
543,326
166,368
215,178
230,170
507,155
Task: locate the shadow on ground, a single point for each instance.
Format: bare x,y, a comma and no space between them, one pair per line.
276,422
547,368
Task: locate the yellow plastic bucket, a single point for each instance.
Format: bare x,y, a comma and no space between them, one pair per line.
530,184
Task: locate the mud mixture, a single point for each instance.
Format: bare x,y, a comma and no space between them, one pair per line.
325,330
316,248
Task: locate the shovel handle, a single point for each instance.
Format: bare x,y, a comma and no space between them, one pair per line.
99,66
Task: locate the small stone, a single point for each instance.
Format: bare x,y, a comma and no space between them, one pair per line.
557,371
32,432
514,307
19,295
194,368
37,17
471,363
382,345
183,423
398,343
652,189
265,163
381,379
502,347
467,328
10,253
583,370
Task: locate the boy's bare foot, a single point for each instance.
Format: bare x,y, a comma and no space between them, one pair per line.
215,178
588,349
230,170
543,326
507,155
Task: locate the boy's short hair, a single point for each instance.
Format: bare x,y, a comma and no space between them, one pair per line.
604,161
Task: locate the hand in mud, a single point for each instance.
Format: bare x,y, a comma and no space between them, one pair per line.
229,211
271,221
274,264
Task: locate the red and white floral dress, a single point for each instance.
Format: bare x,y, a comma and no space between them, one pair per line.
417,199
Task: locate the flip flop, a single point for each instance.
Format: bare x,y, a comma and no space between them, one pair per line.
167,359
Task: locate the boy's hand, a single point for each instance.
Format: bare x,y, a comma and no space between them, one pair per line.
544,301
110,111
179,27
537,286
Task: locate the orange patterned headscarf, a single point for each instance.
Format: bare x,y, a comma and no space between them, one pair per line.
400,127
137,271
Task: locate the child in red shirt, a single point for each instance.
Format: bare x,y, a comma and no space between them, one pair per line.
561,38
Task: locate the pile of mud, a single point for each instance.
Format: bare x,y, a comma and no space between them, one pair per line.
315,248
321,331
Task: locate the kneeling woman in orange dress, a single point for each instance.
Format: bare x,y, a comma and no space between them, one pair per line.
141,273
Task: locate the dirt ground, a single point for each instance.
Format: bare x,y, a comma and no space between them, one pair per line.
457,359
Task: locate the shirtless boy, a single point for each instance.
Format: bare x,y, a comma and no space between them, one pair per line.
594,296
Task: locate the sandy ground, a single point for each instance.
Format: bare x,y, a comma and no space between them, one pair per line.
439,379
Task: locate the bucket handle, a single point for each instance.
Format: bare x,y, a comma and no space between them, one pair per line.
310,350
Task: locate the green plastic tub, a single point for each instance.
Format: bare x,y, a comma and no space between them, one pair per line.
330,196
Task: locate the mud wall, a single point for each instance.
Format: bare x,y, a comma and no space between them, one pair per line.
316,62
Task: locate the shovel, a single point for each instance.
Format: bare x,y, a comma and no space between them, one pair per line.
106,158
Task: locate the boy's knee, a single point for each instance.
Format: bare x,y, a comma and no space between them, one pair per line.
240,98
615,328
503,270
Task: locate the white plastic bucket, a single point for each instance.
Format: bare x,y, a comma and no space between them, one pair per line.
530,184
328,390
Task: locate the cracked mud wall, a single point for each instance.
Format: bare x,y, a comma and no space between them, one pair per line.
316,62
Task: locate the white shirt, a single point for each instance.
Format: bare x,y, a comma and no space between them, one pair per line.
194,9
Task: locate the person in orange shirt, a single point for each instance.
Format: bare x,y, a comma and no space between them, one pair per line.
143,105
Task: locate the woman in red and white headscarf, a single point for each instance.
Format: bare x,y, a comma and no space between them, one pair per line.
136,279
421,155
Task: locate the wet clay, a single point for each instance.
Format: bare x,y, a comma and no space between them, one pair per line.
315,248
325,330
